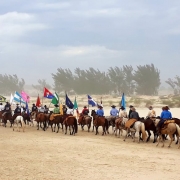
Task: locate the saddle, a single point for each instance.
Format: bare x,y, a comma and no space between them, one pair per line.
130,123
164,126
53,116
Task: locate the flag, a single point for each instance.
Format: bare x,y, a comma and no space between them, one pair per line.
27,109
18,98
48,94
76,107
55,99
25,96
69,104
11,99
2,99
123,101
61,109
38,102
91,101
75,104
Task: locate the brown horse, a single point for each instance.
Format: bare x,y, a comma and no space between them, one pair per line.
41,118
7,116
94,115
71,122
84,120
149,126
55,120
100,121
169,128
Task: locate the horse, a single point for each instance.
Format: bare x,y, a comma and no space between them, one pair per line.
71,121
149,126
84,120
111,121
120,125
100,121
55,120
41,118
7,116
170,128
137,126
94,115
19,121
27,119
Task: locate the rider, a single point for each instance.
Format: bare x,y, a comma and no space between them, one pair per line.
151,113
165,114
1,107
17,111
130,110
23,109
64,109
134,114
100,111
34,108
56,109
70,111
46,109
85,111
41,109
114,112
7,108
123,113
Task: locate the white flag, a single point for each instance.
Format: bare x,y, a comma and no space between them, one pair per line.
11,99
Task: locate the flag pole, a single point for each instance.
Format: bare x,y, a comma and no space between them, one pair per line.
88,103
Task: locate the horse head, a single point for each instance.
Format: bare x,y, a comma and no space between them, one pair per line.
93,112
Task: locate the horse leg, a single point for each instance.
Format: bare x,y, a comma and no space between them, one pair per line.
155,136
37,125
171,137
126,134
57,127
82,127
96,130
62,127
65,129
149,135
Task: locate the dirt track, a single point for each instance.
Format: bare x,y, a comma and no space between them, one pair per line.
49,156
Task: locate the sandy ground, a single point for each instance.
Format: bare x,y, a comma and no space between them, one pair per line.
40,155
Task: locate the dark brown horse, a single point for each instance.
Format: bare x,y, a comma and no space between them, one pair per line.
85,120
27,119
99,121
7,116
149,126
71,122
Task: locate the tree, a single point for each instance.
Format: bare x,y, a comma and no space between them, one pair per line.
147,80
175,84
10,83
40,87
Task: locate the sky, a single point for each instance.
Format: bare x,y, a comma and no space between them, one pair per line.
39,36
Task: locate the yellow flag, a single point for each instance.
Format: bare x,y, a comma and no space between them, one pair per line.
61,109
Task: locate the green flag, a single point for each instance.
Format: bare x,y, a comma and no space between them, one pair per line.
55,99
2,99
75,104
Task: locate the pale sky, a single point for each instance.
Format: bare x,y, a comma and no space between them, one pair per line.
39,36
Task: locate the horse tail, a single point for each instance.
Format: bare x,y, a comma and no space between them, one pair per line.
75,125
144,135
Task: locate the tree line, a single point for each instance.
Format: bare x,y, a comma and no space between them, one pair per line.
143,80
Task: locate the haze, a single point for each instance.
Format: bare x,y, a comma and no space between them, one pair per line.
37,37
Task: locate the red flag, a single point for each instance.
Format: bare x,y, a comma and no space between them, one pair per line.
38,102
48,94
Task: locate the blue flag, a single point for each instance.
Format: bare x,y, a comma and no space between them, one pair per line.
123,101
91,101
69,103
27,109
18,98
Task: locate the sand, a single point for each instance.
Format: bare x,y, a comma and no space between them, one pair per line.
40,155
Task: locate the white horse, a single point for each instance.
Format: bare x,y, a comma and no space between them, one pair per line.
137,127
19,121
